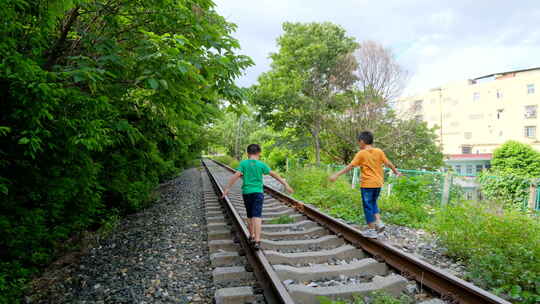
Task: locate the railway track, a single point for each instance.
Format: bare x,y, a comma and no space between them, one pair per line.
314,256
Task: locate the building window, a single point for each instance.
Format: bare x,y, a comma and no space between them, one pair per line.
530,131
479,168
469,195
458,169
530,88
487,166
469,170
468,135
466,150
417,106
499,94
476,96
499,113
419,117
530,111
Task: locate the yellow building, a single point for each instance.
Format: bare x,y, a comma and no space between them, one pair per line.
476,116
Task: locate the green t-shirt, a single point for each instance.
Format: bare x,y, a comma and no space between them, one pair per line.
252,171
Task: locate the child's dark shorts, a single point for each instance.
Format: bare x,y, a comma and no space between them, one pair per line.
254,204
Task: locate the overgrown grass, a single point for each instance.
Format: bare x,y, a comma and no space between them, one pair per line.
284,219
227,160
399,212
338,199
374,298
500,248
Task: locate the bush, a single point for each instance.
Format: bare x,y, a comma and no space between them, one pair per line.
501,250
418,190
405,213
228,160
521,159
507,188
277,158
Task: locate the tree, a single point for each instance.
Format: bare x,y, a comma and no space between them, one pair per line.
313,64
234,130
410,143
513,167
100,100
379,74
519,158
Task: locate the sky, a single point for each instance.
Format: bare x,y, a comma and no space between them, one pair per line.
435,41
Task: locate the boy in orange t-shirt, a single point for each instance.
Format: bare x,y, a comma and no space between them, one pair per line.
371,161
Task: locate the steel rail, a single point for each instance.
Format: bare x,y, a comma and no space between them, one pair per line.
448,286
273,288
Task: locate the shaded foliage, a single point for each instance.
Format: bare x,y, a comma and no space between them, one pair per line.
100,100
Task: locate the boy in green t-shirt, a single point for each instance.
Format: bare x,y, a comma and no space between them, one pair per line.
252,170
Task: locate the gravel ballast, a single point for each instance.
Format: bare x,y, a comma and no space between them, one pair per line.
159,255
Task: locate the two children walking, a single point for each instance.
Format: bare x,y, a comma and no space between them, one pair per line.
370,159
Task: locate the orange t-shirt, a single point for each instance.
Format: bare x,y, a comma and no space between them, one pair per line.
372,161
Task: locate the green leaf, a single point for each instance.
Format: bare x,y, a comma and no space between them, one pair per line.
153,83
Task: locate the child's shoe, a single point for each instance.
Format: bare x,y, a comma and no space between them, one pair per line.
380,226
370,233
257,246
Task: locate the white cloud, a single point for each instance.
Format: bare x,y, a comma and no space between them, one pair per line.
436,41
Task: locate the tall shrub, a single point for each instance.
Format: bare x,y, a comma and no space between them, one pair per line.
100,100
519,158
514,166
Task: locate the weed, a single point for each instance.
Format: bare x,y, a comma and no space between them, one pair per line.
284,219
501,249
374,298
227,160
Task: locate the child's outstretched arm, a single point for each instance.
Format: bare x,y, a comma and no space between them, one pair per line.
232,181
392,167
282,181
335,176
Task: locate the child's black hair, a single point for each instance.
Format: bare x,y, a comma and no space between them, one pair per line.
366,137
253,149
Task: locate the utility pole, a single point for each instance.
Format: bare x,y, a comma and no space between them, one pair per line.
441,109
441,115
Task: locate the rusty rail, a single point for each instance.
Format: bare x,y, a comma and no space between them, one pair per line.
448,286
273,288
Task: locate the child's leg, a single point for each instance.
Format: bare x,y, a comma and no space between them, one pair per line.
257,224
367,197
251,228
248,206
257,215
376,210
